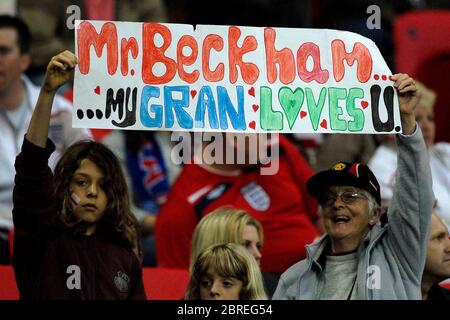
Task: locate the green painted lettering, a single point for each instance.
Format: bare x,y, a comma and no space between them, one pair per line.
291,102
270,119
315,109
334,95
357,124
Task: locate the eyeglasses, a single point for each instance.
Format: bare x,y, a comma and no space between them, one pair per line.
347,197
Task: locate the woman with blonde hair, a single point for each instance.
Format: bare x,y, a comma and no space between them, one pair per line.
225,272
231,225
227,225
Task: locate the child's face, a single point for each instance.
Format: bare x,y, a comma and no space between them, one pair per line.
214,287
88,197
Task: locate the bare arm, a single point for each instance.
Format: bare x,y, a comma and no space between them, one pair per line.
59,71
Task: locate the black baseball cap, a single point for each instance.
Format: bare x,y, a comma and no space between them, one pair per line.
344,174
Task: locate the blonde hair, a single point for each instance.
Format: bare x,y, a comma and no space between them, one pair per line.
223,225
228,260
427,96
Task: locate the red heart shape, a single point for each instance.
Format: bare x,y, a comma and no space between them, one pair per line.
255,107
252,125
303,114
323,124
251,91
364,104
193,93
97,90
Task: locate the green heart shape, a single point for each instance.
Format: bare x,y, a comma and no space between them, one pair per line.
291,102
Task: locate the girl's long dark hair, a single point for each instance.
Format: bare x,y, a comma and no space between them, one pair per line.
118,218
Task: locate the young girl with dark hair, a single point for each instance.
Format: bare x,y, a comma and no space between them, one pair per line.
75,236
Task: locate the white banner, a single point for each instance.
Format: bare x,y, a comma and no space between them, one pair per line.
152,76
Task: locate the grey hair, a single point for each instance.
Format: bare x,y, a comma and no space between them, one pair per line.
373,205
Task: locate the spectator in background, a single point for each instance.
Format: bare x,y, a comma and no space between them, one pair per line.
54,35
384,161
152,173
332,148
227,225
278,201
225,272
230,225
18,96
437,265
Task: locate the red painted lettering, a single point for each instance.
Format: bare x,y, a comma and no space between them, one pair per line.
309,49
212,41
249,71
153,54
284,58
87,37
359,53
190,42
125,47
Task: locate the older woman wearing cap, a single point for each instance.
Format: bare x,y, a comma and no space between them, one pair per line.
359,258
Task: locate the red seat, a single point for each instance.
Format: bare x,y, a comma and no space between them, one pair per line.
165,284
422,49
8,288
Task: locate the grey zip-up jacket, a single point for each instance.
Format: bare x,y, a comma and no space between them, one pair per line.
391,258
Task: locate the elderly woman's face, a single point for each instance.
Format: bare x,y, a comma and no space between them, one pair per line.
345,212
425,119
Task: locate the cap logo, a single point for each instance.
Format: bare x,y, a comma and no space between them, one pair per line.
339,166
354,170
